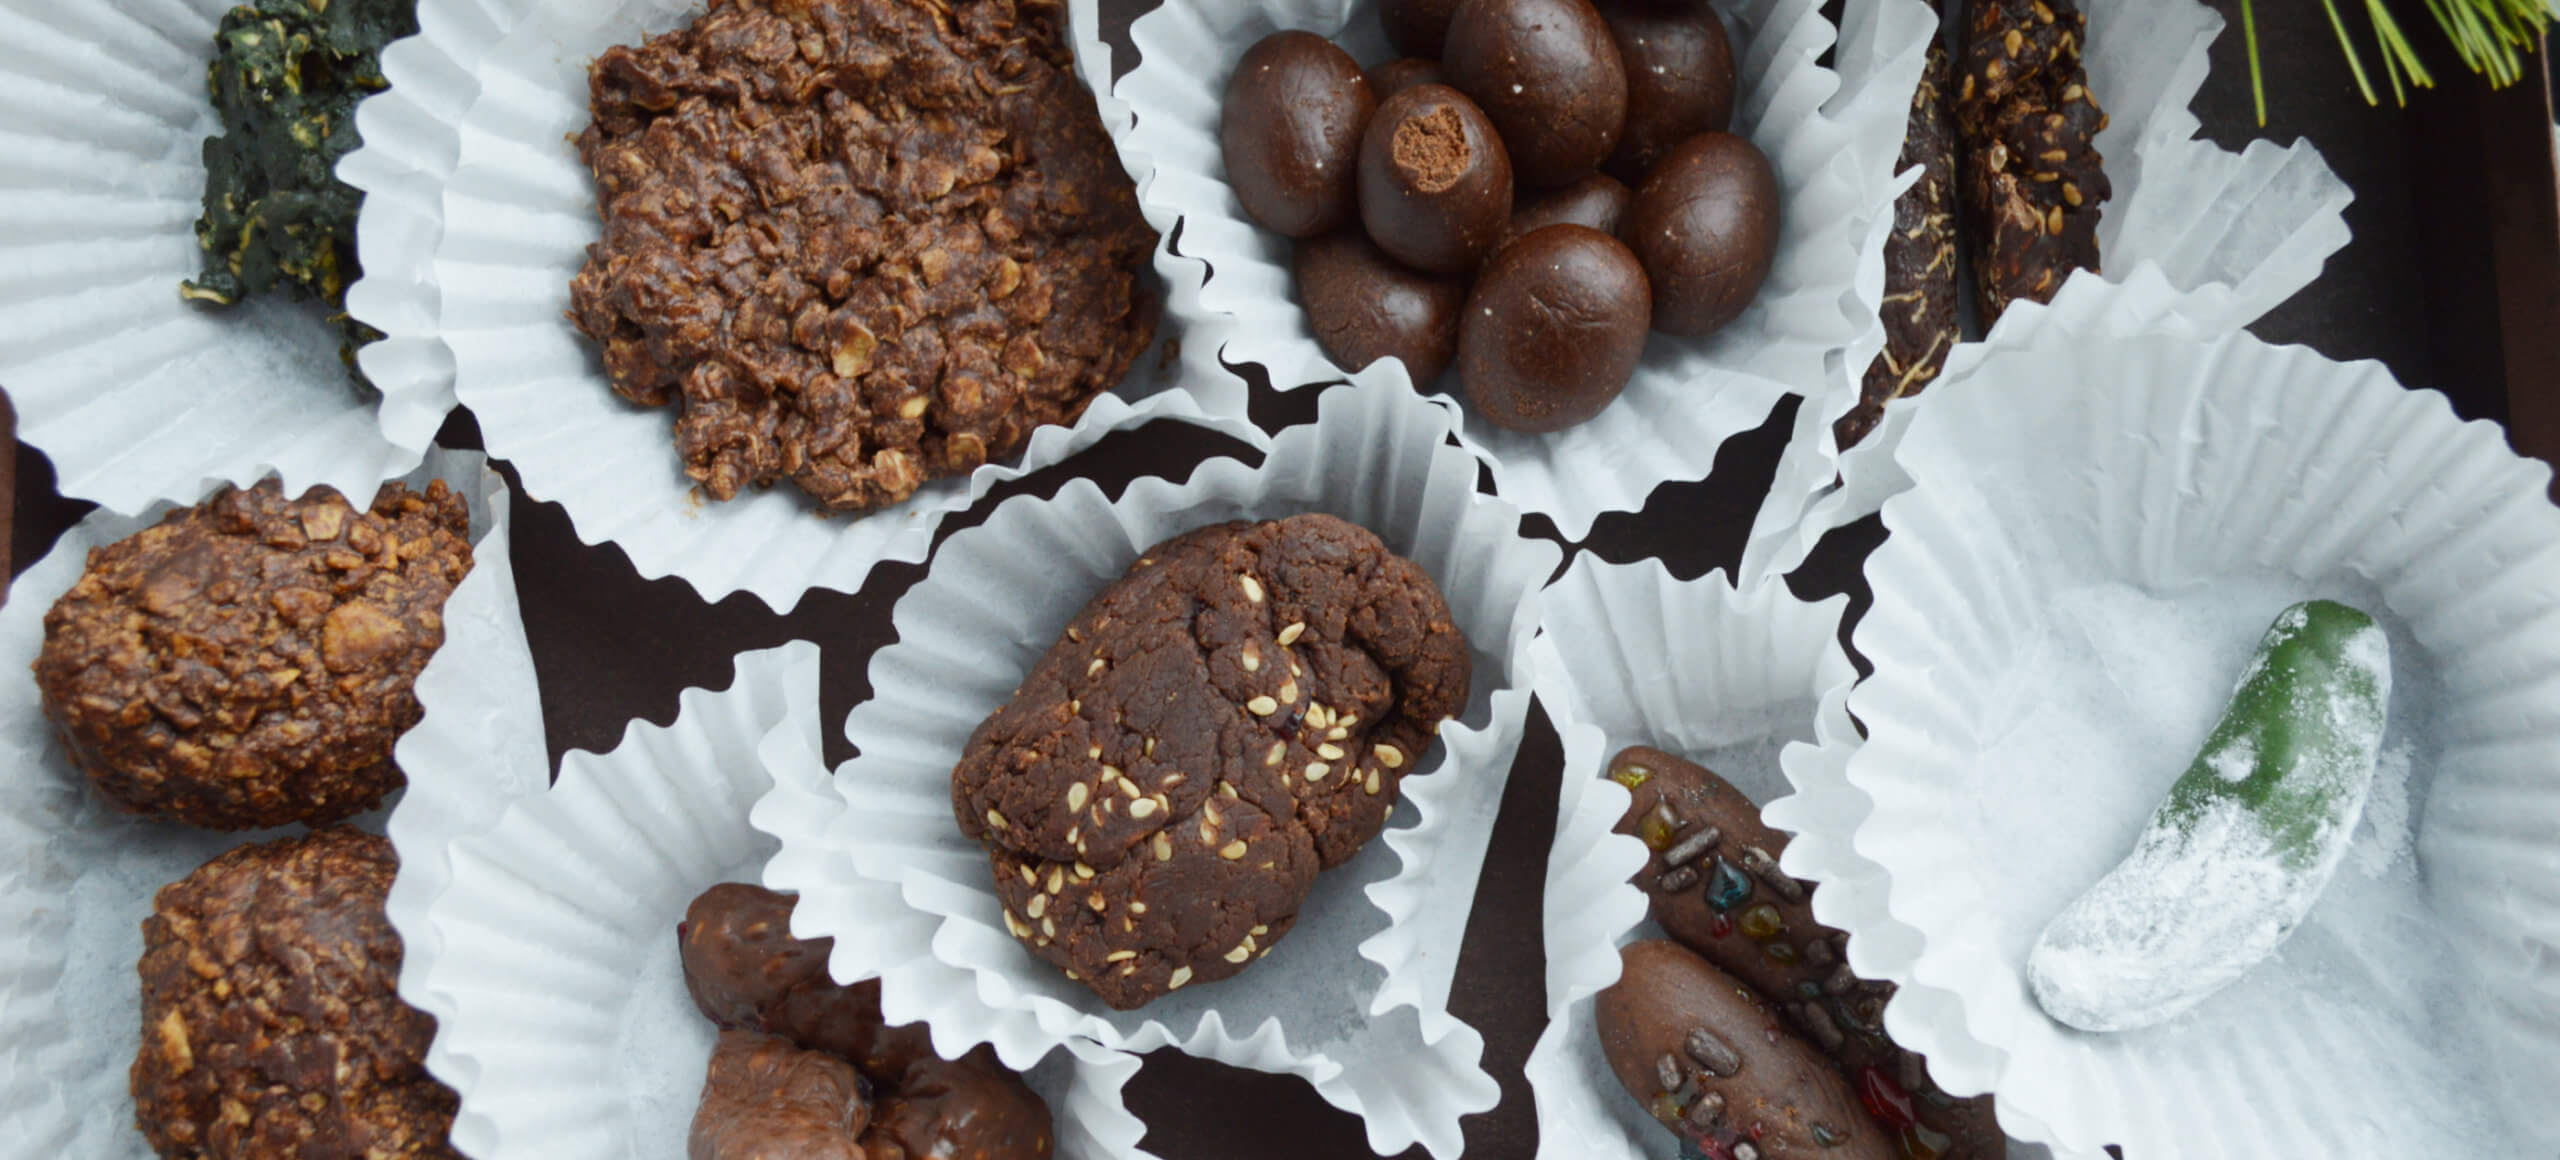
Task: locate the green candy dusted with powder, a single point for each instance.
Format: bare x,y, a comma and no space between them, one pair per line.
2245,842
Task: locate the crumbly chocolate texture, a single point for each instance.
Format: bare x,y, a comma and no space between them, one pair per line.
1920,327
747,972
1713,883
2031,175
1231,716
859,244
765,1098
247,662
271,1027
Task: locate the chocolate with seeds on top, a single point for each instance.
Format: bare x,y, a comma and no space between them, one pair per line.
2030,172
1228,718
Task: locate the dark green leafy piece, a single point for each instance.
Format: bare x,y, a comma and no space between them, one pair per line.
286,77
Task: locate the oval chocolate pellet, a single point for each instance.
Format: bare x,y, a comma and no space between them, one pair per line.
1598,201
1705,225
1435,181
1416,27
1553,328
1365,306
1680,79
1708,1060
1407,72
1290,130
1548,74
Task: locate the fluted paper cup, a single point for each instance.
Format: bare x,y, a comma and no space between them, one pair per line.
2195,233
516,216
2099,530
136,395
77,877
1831,133
562,1015
1355,1000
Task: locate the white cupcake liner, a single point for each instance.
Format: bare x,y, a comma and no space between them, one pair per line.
136,395
1745,682
2215,238
412,139
2418,1008
1356,999
515,220
77,878
549,960
1832,137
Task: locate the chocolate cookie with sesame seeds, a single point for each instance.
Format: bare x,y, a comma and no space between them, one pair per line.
1223,722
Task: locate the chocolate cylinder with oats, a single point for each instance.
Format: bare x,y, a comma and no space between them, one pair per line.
1713,882
1920,290
2030,175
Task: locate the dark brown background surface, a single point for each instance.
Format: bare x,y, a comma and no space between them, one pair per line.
2453,280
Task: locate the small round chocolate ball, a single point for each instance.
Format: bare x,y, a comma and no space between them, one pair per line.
1548,75
1416,27
1553,328
1407,72
1365,306
1679,79
1598,201
1435,181
1291,132
1705,224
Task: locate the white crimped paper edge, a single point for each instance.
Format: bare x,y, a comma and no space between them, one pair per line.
2165,463
1832,136
77,878
137,396
1356,999
1751,683
552,970
518,213
2213,237
411,141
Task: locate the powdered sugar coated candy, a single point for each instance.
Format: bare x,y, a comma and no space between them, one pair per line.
2246,841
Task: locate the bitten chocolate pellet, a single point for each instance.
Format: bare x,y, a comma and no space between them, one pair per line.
1548,75
1553,329
1290,130
1435,182
1705,225
1228,718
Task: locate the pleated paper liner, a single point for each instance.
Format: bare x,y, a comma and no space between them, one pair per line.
562,1013
1355,1000
2098,529
518,213
1831,135
136,395
77,877
2194,230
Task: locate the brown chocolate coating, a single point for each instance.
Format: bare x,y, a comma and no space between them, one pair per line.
1919,310
1290,129
1435,182
1705,225
1416,27
1598,201
1365,306
767,1099
1553,329
1548,75
1781,952
1404,72
2030,175
248,662
271,1024
747,972
1680,80
1235,713
858,245
1752,1081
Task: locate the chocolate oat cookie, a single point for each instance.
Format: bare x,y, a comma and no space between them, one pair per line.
271,1029
1228,718
1919,262
747,973
2030,173
859,244
247,662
